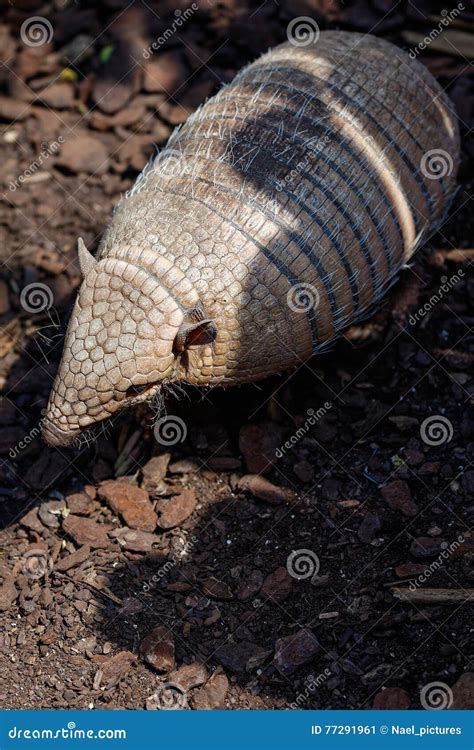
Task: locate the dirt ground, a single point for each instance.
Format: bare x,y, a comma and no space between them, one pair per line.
139,576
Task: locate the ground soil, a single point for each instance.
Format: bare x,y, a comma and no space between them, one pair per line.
372,502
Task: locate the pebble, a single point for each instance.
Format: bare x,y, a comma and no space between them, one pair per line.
87,531
397,495
49,513
215,589
258,444
426,546
369,529
130,502
250,586
175,511
80,503
134,540
393,698
277,586
8,595
212,694
154,472
59,95
157,649
238,656
84,153
164,73
295,650
74,559
189,676
116,668
463,692
264,490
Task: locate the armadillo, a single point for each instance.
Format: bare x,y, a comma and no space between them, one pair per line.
277,215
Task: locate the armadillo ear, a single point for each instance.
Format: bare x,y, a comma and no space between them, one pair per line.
86,259
197,333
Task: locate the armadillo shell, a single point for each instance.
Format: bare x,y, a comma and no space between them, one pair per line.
290,200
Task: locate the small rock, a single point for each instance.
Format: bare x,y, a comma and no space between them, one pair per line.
84,153
31,521
393,698
215,589
154,472
87,531
4,297
250,586
212,694
12,109
258,444
50,512
175,511
164,73
157,649
59,95
407,570
224,463
8,595
277,586
463,692
184,466
74,559
189,676
135,541
398,496
263,489
369,528
116,668
238,656
304,471
80,503
295,650
377,674
426,546
131,502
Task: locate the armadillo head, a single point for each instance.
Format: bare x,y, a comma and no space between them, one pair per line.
124,336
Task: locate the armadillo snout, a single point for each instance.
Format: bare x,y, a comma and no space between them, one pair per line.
118,350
